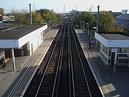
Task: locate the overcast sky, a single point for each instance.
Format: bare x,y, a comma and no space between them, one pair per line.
65,5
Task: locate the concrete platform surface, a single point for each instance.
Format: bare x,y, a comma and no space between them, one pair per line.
8,77
112,84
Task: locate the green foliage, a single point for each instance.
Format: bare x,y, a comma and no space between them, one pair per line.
1,11
86,17
22,18
118,29
49,16
37,19
107,22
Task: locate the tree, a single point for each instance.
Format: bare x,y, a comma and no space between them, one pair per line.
37,19
86,17
21,18
118,29
106,22
49,16
1,11
24,18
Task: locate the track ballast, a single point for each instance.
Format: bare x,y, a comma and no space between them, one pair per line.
64,72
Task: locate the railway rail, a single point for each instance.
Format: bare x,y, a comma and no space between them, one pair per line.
45,71
64,72
84,82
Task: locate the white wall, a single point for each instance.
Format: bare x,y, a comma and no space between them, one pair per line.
33,37
101,39
112,43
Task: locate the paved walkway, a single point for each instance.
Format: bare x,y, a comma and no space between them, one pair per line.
7,75
111,84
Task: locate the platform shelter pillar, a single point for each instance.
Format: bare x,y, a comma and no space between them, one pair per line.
13,58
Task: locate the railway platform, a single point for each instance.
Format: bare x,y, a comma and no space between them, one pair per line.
9,78
111,84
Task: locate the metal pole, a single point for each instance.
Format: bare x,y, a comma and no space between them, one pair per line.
30,13
97,27
13,57
80,24
83,25
87,25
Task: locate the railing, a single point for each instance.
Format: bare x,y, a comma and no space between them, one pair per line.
123,59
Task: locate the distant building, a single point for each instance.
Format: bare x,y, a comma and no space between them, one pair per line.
74,12
8,18
65,15
95,13
123,20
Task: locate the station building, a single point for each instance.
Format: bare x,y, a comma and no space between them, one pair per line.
21,41
123,20
114,48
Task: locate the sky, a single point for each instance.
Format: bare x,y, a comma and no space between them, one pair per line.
65,5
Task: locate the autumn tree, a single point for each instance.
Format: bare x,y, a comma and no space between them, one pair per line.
24,18
1,11
49,16
21,18
106,22
37,18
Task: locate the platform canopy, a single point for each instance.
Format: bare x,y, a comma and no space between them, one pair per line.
113,39
16,38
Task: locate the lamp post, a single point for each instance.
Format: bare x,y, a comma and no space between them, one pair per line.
80,24
97,27
87,27
89,43
30,13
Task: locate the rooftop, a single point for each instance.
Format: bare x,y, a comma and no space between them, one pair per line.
113,39
18,32
123,17
115,35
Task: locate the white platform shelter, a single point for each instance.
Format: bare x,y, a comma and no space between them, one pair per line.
114,48
29,37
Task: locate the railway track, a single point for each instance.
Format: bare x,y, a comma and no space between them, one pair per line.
84,82
62,82
64,72
42,84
